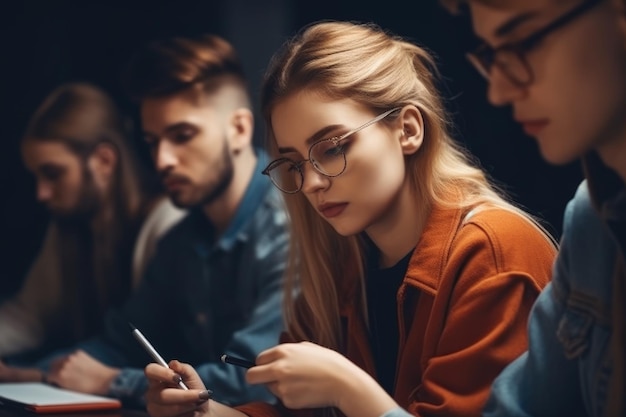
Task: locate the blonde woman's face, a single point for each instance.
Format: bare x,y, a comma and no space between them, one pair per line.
576,100
364,195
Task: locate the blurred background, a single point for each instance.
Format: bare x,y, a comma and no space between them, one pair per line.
47,42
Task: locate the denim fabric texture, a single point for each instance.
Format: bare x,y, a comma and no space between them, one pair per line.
567,366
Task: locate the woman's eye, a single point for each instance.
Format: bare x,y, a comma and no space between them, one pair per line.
292,168
334,150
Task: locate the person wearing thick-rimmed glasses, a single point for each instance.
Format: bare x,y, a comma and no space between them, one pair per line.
414,275
561,66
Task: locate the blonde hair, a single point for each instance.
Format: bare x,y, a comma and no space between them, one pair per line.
380,71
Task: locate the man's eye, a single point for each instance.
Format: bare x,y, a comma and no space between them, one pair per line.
184,136
181,138
51,174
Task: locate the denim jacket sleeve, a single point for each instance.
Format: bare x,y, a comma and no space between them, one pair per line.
547,379
260,331
227,381
541,377
397,412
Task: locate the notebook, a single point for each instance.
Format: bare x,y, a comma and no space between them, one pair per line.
42,398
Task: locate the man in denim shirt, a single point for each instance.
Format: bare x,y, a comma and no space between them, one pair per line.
215,285
561,65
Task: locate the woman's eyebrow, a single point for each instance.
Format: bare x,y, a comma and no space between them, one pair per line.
320,134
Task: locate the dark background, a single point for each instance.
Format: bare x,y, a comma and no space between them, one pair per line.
46,42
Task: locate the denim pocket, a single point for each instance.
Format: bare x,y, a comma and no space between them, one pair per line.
574,332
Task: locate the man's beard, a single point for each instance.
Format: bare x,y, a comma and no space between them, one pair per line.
224,179
89,203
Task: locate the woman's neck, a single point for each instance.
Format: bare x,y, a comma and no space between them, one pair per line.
399,229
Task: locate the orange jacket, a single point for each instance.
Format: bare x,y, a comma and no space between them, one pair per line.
462,307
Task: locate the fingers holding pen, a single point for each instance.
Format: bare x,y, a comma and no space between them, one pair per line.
165,398
170,377
302,374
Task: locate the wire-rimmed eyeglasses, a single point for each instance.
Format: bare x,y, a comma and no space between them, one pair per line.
327,156
511,58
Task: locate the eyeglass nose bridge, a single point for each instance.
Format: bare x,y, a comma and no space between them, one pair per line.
300,167
317,167
505,61
515,68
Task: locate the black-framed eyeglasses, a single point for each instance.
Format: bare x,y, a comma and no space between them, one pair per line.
327,156
511,57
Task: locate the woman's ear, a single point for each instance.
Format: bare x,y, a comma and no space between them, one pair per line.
102,162
240,129
412,135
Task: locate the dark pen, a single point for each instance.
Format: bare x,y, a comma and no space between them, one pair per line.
237,361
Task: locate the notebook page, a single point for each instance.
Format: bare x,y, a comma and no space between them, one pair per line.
37,393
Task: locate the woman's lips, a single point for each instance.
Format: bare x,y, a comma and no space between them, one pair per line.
332,209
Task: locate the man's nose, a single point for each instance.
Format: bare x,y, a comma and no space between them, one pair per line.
44,191
165,156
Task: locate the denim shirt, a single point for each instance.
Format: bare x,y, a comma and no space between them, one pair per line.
202,297
567,367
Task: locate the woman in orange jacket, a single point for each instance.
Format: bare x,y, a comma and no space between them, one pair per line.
411,277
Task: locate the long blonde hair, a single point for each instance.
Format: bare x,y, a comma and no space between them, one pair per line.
382,71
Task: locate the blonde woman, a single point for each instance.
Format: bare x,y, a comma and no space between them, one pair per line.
411,277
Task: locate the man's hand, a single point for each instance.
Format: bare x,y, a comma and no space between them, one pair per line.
12,374
81,372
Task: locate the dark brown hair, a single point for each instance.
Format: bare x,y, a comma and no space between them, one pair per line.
172,65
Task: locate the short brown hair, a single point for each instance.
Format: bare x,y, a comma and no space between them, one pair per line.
168,66
452,5
457,6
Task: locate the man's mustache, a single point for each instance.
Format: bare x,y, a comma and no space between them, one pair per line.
169,177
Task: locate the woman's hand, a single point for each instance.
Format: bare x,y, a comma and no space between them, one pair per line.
164,398
303,375
306,375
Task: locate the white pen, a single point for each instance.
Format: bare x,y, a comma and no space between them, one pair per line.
152,351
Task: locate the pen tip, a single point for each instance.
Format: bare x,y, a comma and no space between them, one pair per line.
132,327
223,358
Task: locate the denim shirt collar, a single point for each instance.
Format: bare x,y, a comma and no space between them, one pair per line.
252,199
238,228
608,191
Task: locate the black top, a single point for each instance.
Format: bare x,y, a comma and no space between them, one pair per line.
382,306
